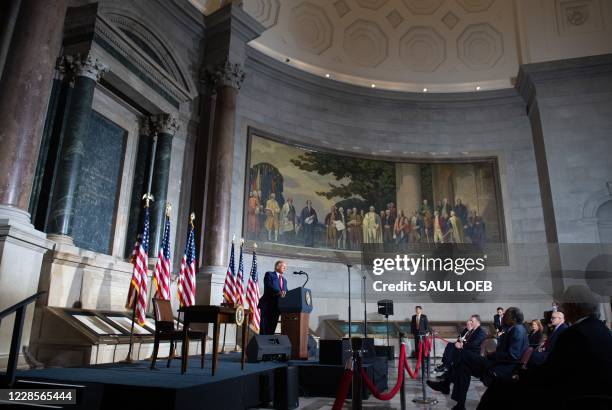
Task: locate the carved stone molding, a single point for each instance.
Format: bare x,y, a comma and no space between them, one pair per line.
86,66
166,123
144,125
226,74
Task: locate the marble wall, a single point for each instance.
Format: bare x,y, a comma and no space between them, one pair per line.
309,110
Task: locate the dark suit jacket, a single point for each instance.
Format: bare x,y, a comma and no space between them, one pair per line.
272,291
474,340
580,362
497,323
423,325
510,347
538,358
535,338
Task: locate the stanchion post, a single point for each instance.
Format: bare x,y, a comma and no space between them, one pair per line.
424,399
426,358
356,345
402,389
433,340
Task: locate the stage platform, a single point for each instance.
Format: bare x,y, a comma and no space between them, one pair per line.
116,385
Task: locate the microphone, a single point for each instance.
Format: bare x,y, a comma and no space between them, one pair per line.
299,273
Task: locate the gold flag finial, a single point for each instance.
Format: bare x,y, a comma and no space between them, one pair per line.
191,219
168,208
255,245
148,198
241,241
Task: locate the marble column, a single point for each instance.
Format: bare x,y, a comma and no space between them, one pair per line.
88,70
139,185
226,81
166,126
24,94
9,11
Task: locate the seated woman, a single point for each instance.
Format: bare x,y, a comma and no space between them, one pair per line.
535,333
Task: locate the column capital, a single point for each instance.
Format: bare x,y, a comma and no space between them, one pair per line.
144,125
88,66
166,123
225,74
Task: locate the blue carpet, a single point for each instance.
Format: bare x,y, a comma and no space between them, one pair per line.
139,374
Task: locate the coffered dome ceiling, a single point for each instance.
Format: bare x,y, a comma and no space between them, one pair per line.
438,45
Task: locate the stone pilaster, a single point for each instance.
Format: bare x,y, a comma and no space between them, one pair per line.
139,185
88,70
24,94
229,29
166,126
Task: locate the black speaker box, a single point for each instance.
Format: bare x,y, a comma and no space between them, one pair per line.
385,307
337,352
268,347
286,388
385,351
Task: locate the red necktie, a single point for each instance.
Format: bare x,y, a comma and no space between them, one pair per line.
280,281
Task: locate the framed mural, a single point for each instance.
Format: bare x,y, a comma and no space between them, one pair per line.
300,200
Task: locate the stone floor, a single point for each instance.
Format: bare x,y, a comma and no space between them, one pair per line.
413,389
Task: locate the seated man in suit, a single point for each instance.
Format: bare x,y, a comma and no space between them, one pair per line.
578,370
418,327
447,357
512,344
275,287
470,342
557,320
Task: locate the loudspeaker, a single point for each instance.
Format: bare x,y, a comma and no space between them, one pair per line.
338,351
268,347
385,307
286,388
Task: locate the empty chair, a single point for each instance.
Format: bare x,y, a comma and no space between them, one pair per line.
165,330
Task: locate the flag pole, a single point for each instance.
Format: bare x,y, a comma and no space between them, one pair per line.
148,198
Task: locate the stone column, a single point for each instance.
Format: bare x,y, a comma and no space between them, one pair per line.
24,95
166,126
88,70
139,185
226,80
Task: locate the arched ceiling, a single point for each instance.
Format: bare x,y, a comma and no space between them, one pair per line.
437,45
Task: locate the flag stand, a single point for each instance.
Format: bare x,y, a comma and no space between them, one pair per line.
147,198
129,359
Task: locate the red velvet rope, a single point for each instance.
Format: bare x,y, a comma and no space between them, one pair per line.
400,377
414,374
343,389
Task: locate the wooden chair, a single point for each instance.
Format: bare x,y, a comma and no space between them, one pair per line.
165,330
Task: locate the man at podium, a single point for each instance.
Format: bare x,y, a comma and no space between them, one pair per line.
275,287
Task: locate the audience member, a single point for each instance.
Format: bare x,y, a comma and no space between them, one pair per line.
512,344
577,372
535,333
558,326
497,320
469,341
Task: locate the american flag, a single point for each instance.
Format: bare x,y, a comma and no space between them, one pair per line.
239,282
252,295
138,285
162,274
187,274
229,292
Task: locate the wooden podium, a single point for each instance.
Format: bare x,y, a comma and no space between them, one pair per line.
295,310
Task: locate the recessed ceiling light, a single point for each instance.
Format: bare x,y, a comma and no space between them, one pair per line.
477,88
327,75
424,90
373,85
287,60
